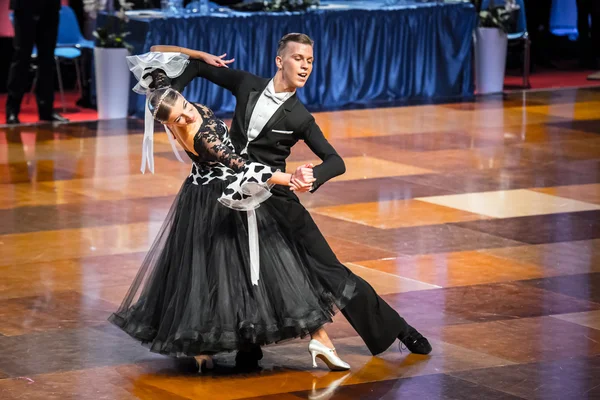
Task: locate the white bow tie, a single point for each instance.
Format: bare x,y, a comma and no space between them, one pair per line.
269,94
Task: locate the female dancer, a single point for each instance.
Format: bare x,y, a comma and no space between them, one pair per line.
217,279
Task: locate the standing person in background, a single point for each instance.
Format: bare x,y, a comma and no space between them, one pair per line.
6,40
537,13
86,54
589,34
35,23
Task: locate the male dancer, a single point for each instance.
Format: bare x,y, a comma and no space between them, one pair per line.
268,120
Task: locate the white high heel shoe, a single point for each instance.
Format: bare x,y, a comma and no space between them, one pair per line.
319,350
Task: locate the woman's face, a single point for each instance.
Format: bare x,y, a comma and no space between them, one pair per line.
182,113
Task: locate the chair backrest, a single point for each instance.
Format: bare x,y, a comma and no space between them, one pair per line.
521,20
68,27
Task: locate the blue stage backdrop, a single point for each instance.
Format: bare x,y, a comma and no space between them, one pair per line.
365,53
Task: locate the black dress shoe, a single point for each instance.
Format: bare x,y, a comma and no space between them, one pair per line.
12,119
248,359
415,342
54,117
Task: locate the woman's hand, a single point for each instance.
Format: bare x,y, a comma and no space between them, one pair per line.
302,179
217,61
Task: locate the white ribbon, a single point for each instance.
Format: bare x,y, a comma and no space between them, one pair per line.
256,194
173,64
253,245
148,142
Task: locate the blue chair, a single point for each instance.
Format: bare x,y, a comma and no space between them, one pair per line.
60,53
69,31
519,37
70,39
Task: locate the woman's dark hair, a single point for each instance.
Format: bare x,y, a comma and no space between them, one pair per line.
159,79
163,98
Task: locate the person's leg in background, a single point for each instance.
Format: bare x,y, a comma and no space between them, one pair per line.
46,36
85,61
25,25
586,47
537,13
595,30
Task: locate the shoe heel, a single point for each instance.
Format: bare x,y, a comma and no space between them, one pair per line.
314,358
204,365
199,365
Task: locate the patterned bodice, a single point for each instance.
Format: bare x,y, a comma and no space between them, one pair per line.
206,166
216,160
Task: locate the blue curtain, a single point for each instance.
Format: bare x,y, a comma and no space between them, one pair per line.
362,56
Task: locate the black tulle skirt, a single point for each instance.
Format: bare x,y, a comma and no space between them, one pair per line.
193,294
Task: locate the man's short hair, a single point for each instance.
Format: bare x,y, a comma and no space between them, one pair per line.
293,37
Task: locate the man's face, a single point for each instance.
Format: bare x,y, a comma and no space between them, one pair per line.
296,63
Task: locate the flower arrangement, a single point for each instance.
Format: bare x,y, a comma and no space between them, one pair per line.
277,5
503,17
112,34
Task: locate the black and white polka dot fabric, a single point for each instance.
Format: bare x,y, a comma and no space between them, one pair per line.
216,159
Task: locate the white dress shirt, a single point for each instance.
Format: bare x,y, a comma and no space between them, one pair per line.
268,103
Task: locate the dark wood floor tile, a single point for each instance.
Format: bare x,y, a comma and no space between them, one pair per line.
430,141
586,125
525,340
423,387
571,378
373,190
460,160
37,171
582,286
70,350
52,311
125,211
347,251
480,303
582,166
563,258
103,128
434,239
347,230
567,149
539,229
488,180
43,218
83,214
